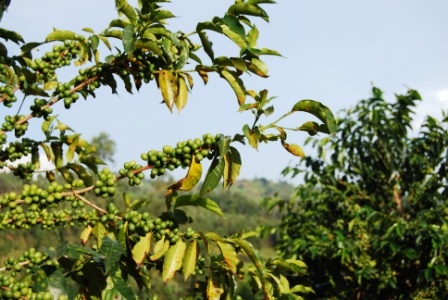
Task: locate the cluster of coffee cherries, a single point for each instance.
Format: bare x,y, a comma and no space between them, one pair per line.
130,170
180,156
11,289
200,265
16,150
64,91
6,91
26,261
12,123
143,65
106,185
60,56
29,208
38,110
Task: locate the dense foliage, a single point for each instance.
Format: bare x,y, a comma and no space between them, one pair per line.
371,219
120,246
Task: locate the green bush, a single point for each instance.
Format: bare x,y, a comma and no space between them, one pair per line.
370,221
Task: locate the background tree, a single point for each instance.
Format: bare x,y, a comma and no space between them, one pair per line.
120,247
371,219
104,146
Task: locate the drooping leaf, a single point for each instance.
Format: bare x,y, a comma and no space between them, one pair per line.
294,149
256,259
232,167
203,73
85,235
173,260
234,36
229,254
168,85
11,35
258,67
182,96
191,180
160,248
214,175
318,110
141,249
190,259
57,149
236,83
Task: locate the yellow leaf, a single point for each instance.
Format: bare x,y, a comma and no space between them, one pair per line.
191,180
160,249
182,96
85,235
190,259
293,149
173,260
141,249
168,86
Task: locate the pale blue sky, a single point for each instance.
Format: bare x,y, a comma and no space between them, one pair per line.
333,52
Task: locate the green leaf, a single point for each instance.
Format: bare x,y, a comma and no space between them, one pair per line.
126,9
223,145
124,288
214,174
196,200
256,259
56,147
248,9
258,67
70,153
129,39
252,37
141,249
11,35
60,35
236,83
318,110
112,250
46,125
190,259
232,167
229,254
173,260
94,42
168,85
234,36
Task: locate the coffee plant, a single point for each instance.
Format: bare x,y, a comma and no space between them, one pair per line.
119,247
